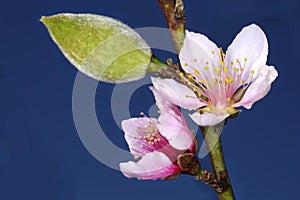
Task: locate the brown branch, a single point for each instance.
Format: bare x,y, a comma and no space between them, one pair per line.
218,182
175,17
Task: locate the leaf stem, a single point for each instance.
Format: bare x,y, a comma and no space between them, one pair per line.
155,65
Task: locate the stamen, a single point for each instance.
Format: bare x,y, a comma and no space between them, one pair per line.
222,63
143,114
215,81
225,69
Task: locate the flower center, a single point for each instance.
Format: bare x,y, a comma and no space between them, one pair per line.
149,137
218,85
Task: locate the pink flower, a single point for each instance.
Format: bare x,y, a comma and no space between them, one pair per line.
157,142
217,83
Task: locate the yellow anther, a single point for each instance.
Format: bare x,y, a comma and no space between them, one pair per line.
207,85
219,70
237,76
222,63
185,64
237,60
215,81
202,81
194,89
231,64
205,67
181,74
213,52
196,72
206,63
195,60
225,69
242,68
228,100
186,95
245,59
219,55
189,76
243,82
252,72
227,79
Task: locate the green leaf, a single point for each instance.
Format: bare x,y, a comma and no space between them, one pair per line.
99,46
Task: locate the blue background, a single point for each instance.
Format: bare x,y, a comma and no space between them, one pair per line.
41,155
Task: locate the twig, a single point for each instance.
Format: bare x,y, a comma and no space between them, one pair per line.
175,17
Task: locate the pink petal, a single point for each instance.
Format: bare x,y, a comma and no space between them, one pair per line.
259,87
208,119
178,134
166,108
172,124
152,166
177,93
250,47
135,129
197,52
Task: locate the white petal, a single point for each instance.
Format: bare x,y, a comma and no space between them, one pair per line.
259,87
172,124
208,119
250,47
151,166
198,51
131,127
166,108
177,93
177,133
